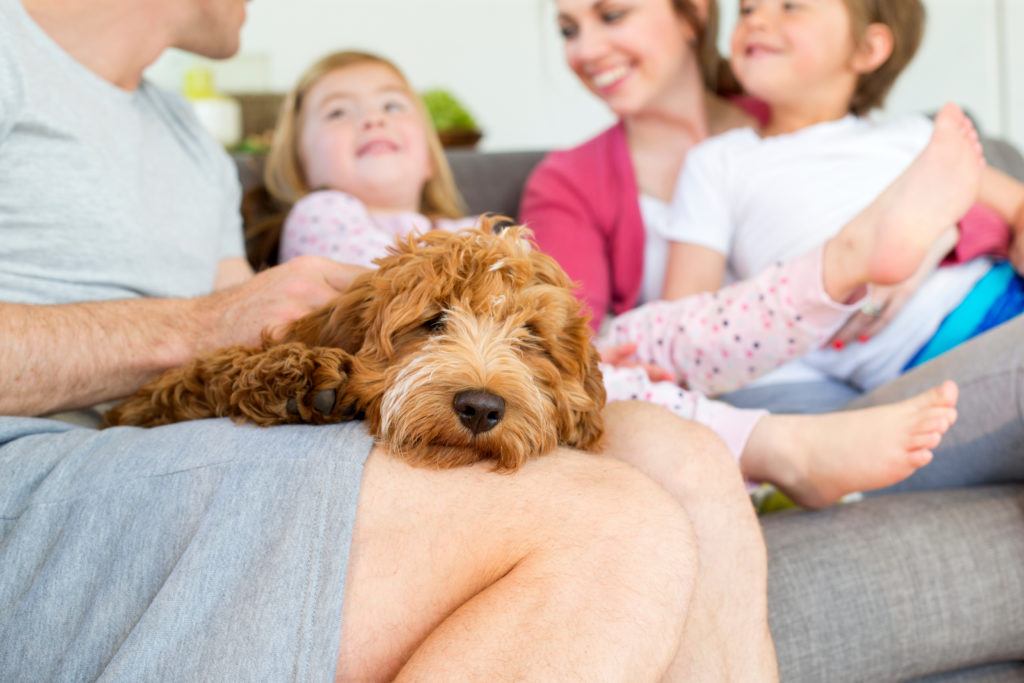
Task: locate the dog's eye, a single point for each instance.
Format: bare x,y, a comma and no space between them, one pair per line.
435,324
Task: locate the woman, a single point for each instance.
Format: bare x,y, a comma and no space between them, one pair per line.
655,65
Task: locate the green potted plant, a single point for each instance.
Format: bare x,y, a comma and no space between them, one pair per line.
454,124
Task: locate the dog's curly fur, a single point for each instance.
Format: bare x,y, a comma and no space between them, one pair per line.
442,314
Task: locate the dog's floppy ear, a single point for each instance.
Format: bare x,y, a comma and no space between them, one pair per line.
494,223
587,416
340,323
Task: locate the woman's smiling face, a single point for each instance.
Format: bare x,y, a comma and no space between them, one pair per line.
629,53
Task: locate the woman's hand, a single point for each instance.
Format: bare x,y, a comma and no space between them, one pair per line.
880,307
622,356
882,304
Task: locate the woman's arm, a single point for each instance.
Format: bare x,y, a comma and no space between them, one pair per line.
1005,195
564,227
692,269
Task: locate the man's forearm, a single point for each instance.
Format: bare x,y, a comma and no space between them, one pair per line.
72,356
64,357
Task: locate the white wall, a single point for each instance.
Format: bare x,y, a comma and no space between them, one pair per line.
503,59
959,60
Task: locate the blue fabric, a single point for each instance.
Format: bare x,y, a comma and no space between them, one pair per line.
996,298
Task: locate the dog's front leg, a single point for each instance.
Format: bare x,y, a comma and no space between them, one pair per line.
278,384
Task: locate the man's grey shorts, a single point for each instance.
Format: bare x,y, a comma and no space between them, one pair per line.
203,551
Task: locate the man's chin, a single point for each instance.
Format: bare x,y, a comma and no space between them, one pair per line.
212,49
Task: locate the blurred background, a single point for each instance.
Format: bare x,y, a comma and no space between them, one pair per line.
502,60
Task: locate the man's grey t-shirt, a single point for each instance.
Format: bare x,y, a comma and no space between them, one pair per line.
104,193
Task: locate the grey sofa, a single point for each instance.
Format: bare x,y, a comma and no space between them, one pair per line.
923,586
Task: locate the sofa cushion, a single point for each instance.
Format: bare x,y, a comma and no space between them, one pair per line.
846,601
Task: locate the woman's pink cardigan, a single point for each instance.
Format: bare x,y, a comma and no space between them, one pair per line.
584,209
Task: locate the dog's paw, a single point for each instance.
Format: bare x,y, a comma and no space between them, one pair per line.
295,384
320,399
323,402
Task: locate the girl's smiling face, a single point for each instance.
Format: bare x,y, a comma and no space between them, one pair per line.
363,133
630,53
794,50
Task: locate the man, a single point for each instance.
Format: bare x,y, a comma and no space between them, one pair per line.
211,551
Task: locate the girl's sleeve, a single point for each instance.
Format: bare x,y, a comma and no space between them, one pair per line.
720,341
332,224
699,212
556,210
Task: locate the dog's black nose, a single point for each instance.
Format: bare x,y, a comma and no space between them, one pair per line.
480,411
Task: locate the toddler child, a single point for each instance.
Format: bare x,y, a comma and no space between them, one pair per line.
357,156
749,197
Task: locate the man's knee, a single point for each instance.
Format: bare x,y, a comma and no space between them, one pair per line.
614,500
693,450
643,541
645,421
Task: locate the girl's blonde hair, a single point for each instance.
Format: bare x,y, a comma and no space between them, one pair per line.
284,176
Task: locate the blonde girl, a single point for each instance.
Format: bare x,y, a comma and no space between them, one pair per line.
357,161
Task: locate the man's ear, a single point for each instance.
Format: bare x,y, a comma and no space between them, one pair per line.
874,47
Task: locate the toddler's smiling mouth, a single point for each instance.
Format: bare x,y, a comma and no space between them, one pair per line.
375,147
760,50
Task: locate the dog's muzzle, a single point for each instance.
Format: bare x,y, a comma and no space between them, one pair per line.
479,411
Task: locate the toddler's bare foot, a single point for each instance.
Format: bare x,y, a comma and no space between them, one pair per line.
818,459
886,243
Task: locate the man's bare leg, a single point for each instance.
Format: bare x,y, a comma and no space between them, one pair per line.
726,637
576,567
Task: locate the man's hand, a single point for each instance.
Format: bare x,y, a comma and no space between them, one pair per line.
270,300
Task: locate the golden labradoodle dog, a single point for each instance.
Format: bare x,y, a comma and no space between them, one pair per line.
457,348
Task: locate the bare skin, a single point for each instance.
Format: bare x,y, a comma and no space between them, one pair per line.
467,574
887,242
726,636
818,459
